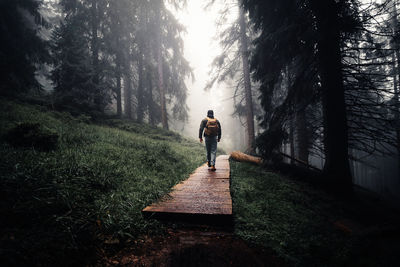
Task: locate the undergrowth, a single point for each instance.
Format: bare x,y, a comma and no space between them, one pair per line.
91,186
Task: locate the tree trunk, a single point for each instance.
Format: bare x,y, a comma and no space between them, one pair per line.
336,166
396,70
291,122
150,101
291,139
302,135
141,48
396,61
119,97
161,88
118,58
247,83
149,69
140,110
127,91
128,96
95,52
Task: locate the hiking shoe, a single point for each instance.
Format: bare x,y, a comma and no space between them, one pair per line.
208,164
213,168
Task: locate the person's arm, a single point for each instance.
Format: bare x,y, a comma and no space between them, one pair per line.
219,131
202,125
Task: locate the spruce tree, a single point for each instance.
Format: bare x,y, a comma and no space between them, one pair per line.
21,48
73,73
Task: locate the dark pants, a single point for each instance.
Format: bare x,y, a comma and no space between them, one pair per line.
211,147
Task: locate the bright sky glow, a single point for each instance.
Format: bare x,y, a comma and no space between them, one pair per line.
200,49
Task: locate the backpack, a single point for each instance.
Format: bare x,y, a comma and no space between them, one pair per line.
211,127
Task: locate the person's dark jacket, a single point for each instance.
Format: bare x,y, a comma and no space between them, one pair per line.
203,125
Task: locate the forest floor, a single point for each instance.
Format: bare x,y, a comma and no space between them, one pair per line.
72,191
278,221
191,246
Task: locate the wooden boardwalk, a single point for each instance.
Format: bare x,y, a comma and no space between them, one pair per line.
203,198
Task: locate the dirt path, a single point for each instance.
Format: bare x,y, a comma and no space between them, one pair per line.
193,247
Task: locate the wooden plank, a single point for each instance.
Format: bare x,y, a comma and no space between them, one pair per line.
205,192
192,209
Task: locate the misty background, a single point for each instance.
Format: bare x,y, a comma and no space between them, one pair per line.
200,31
101,103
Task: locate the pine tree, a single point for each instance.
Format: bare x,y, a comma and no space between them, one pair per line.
247,84
232,65
73,73
307,36
21,48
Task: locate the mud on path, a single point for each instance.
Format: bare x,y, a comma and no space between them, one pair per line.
192,247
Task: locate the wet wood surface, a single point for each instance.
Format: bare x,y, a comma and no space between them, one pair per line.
205,192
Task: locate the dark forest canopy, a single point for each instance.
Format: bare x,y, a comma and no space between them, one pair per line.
327,71
329,76
21,49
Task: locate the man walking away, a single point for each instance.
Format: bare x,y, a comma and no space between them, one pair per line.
212,135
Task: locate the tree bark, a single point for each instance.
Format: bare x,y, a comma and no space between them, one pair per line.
119,97
247,82
291,122
128,95
164,118
302,135
141,48
291,139
336,167
127,84
396,68
140,110
95,52
149,70
150,101
118,58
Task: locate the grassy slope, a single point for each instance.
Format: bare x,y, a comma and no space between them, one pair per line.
309,227
93,185
54,205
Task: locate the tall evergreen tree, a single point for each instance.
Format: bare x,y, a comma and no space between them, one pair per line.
328,28
83,19
131,46
21,48
159,39
232,65
297,32
73,73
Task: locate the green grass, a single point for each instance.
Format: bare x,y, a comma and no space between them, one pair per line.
299,221
93,185
57,205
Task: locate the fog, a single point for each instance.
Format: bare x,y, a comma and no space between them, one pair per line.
201,46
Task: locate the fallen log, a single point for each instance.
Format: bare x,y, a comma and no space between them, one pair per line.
239,156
